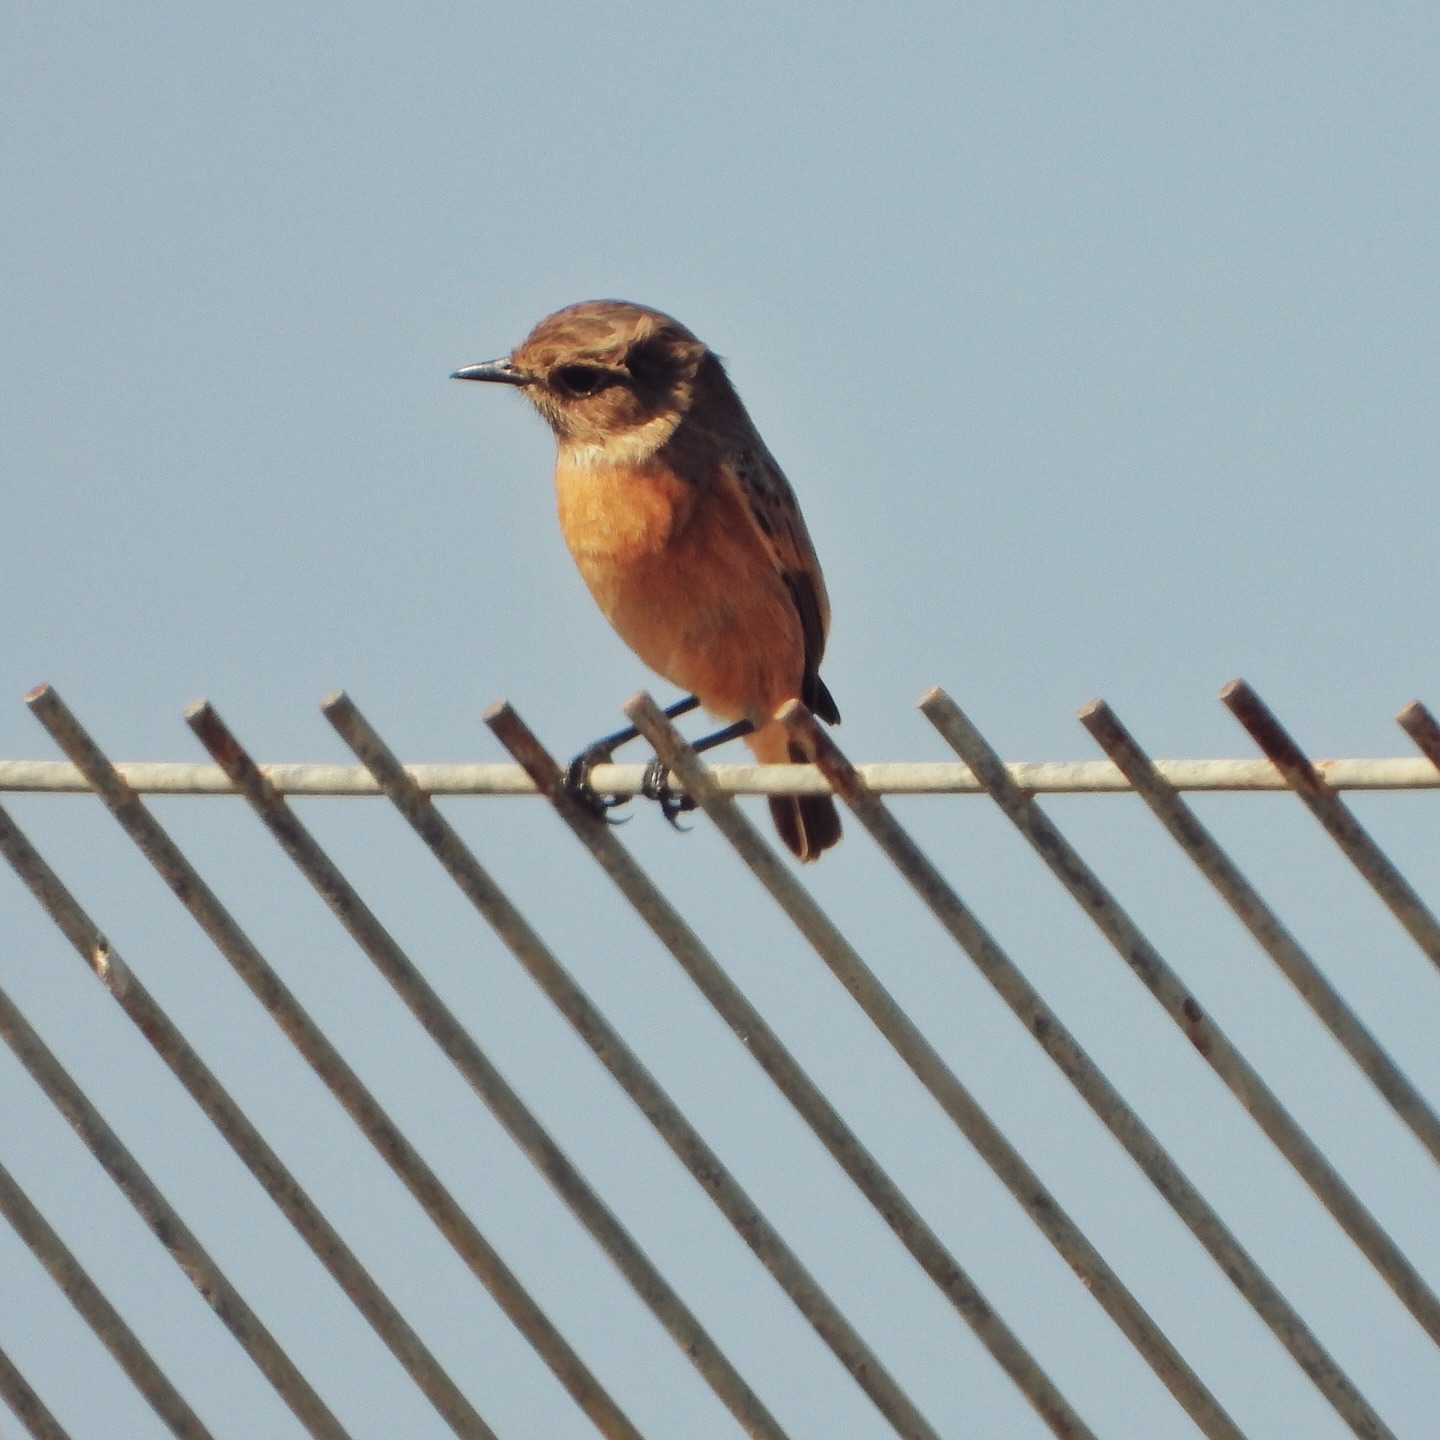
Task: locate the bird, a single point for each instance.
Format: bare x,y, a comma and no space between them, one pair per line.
684,529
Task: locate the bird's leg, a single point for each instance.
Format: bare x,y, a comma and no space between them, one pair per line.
657,774
577,776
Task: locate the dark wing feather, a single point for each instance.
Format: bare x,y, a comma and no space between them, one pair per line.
719,423
777,516
813,689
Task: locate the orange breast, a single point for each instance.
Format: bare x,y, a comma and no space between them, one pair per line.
613,516
680,571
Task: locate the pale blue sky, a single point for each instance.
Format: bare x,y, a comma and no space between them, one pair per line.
1100,346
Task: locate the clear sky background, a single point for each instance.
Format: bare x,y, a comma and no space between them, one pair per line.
1099,344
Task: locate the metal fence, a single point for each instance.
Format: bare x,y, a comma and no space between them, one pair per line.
1162,785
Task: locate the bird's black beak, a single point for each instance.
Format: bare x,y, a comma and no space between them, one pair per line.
501,371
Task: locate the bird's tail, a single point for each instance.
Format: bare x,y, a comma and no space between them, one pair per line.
808,824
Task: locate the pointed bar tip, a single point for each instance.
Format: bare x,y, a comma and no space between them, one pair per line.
214,734
522,743
1421,726
640,703
940,708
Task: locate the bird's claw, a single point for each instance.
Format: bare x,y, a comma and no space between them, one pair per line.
654,787
577,782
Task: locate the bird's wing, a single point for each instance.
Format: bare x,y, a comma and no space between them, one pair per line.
772,505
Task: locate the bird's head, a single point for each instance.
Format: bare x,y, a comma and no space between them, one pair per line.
607,375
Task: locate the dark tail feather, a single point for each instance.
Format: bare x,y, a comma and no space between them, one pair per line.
808,824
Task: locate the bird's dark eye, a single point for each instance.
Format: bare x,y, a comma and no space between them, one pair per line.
580,379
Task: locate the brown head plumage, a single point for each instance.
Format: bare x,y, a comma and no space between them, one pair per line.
605,369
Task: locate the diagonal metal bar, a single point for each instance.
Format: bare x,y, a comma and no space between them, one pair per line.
98,1313
611,1050
1089,1081
1306,780
1262,923
764,1045
1422,727
382,1132
247,1142
165,1223
932,1072
27,1406
482,1076
1212,1044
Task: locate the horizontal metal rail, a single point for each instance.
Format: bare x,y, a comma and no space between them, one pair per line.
927,777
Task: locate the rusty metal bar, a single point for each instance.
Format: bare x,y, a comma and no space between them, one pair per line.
1043,777
482,1076
98,1313
387,1138
1262,923
164,1222
1089,1081
27,1406
1210,1042
797,1087
1307,781
610,1049
1422,727
247,1142
925,1063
